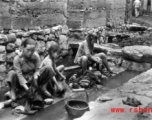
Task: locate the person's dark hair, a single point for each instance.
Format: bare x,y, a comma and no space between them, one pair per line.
53,47
28,42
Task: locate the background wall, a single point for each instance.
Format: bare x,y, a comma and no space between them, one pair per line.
27,13
116,11
19,14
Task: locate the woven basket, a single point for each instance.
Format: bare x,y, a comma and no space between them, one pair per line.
76,108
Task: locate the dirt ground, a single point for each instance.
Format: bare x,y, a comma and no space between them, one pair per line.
143,20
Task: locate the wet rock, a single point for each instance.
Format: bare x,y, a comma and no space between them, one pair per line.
40,47
10,47
138,53
130,65
10,57
2,53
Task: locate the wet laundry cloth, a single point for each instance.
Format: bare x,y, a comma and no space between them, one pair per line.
88,80
132,102
21,110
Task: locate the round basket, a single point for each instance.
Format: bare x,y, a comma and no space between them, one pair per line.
76,108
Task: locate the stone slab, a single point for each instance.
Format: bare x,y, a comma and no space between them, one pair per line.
99,48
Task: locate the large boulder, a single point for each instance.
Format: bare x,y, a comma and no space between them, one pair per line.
138,53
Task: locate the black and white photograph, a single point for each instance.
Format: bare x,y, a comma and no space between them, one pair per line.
75,59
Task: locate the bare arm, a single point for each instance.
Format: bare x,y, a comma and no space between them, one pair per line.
56,71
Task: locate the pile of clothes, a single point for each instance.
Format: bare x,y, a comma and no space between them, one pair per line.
132,102
88,80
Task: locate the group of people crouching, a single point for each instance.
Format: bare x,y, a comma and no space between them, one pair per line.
37,80
33,79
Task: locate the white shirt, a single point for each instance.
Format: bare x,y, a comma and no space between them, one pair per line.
137,3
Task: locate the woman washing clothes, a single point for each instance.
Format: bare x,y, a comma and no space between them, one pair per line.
85,53
56,85
27,76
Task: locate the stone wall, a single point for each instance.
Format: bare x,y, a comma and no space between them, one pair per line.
8,43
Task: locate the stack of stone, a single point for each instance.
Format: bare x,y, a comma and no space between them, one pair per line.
7,48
